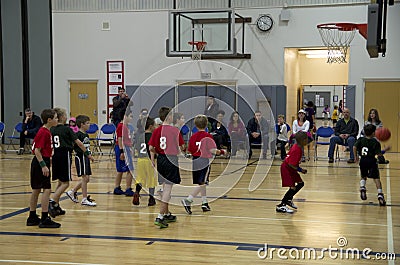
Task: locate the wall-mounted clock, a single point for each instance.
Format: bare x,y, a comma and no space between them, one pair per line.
264,23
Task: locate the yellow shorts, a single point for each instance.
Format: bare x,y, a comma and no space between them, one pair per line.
145,173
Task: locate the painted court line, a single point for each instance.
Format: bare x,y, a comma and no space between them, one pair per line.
46,262
238,245
389,216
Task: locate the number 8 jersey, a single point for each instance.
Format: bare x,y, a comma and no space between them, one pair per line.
166,139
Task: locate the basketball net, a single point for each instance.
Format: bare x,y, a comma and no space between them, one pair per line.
337,38
197,48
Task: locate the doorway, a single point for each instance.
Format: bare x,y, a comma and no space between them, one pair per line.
83,99
385,97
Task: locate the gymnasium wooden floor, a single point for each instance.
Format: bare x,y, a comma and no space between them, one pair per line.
330,215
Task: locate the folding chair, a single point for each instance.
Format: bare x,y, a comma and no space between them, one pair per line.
106,129
195,130
337,151
185,131
325,133
2,129
93,129
14,137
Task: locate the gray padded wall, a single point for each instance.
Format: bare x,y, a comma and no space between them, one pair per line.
12,98
40,54
275,94
351,100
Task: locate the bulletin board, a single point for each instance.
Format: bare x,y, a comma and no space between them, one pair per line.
115,80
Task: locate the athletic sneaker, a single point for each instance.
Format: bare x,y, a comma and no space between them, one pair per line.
33,221
60,211
291,204
135,200
363,193
118,191
282,208
129,192
381,199
48,223
205,207
161,223
152,201
169,218
186,204
53,209
73,196
88,201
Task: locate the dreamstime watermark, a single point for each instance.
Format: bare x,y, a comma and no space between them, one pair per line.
332,252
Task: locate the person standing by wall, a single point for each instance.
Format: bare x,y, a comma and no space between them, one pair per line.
212,108
120,103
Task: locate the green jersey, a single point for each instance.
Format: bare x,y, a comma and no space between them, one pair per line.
84,138
368,147
63,137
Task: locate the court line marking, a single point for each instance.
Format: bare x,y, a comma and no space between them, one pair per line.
389,219
48,262
211,216
238,245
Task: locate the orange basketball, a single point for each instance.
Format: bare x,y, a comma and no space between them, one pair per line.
382,134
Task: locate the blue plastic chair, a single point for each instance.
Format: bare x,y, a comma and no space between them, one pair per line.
106,129
15,136
93,129
195,130
322,136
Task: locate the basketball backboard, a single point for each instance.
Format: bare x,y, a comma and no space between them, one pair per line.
215,27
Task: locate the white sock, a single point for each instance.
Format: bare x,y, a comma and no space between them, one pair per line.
160,216
362,183
204,199
190,198
380,191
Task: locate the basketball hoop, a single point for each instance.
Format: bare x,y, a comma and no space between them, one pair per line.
196,53
337,38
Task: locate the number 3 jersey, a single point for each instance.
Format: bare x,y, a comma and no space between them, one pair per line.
84,138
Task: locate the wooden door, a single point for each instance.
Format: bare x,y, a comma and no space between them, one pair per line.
83,99
385,97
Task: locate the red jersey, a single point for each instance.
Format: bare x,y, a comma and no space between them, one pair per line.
43,141
294,155
201,144
123,132
166,140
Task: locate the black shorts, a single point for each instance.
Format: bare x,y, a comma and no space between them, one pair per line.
61,165
369,168
38,180
201,170
168,169
82,164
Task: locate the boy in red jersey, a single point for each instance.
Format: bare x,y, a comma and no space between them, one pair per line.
167,142
202,147
289,173
123,147
42,148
